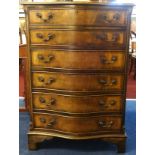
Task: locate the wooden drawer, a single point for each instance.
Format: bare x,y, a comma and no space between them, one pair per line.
76,60
77,82
79,17
88,39
70,124
77,104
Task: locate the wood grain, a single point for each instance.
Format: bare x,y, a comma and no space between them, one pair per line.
80,38
77,124
75,60
77,82
76,104
78,17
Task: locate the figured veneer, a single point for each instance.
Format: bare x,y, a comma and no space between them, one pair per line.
77,70
81,125
71,16
76,60
103,39
77,104
77,82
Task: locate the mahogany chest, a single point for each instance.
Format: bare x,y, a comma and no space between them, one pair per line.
78,55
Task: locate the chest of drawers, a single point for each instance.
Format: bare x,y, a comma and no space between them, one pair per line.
77,70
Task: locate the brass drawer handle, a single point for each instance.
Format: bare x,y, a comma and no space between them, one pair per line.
45,60
105,61
45,39
49,81
52,101
105,83
104,124
42,120
101,102
112,102
41,79
49,17
115,19
107,104
51,123
42,100
104,37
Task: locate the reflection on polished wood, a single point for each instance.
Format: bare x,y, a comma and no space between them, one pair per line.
77,70
92,60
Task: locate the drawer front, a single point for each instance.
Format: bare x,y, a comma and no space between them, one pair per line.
77,104
70,124
80,38
79,17
77,82
91,60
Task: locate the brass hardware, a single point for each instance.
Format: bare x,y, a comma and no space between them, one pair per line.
39,15
115,19
113,102
41,79
105,61
51,123
114,58
39,35
52,101
101,102
106,105
42,100
49,37
113,82
102,81
49,81
103,124
105,83
46,60
40,57
42,120
49,17
49,59
104,37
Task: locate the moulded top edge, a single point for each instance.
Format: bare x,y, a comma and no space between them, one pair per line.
78,2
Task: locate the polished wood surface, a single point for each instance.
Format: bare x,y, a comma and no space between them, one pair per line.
78,67
69,16
79,38
77,82
76,103
77,124
76,60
